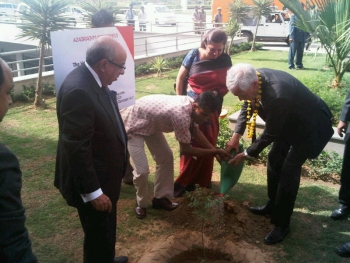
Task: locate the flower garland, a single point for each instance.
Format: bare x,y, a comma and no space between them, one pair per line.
251,124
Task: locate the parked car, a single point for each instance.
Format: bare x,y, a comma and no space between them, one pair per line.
7,11
22,8
160,14
75,14
274,27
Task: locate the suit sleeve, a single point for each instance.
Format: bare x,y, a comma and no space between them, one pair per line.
242,119
15,245
77,131
277,112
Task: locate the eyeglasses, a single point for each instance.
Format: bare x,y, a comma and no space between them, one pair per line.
115,64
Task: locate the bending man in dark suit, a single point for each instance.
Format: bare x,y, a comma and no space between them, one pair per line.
15,245
297,122
91,152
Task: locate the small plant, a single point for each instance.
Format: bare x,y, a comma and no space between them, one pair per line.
326,163
159,64
225,133
206,207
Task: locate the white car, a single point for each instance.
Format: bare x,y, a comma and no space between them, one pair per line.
274,27
160,14
7,11
75,14
22,8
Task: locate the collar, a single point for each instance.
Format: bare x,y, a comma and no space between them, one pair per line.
94,74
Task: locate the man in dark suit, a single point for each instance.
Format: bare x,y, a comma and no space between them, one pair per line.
15,245
104,18
91,153
297,122
344,192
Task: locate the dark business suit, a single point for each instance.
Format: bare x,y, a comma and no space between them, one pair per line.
344,192
15,246
298,123
91,154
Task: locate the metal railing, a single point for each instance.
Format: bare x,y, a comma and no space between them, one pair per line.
25,62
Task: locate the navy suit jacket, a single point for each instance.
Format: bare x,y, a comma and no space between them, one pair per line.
290,111
15,245
90,153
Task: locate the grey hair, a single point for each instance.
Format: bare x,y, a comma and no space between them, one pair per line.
241,75
99,50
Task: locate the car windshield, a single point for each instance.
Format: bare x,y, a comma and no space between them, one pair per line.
162,9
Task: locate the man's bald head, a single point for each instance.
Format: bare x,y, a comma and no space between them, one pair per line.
104,47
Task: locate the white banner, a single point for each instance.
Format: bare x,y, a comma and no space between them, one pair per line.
69,51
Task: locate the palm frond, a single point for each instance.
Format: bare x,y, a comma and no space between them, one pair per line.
96,5
239,11
44,16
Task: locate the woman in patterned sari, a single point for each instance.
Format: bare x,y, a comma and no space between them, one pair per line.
206,70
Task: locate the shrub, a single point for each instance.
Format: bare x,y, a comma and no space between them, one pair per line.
225,133
244,46
159,64
142,69
28,92
175,62
327,163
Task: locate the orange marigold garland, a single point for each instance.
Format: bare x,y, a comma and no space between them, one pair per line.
251,123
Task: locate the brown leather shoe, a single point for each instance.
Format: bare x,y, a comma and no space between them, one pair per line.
163,203
140,212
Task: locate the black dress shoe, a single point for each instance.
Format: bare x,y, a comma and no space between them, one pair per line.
276,235
163,203
179,190
344,250
140,212
121,259
262,210
341,213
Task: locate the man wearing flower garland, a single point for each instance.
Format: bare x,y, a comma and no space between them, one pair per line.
297,124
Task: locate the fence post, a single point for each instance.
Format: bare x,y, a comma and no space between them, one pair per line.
20,65
146,51
177,42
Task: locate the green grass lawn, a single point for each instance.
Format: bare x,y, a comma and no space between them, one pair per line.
55,228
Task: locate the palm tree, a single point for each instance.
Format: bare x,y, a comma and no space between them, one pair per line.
329,22
44,16
239,10
96,5
261,8
231,30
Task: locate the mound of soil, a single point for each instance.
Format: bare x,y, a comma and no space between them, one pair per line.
235,236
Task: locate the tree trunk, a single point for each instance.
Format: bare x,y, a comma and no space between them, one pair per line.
256,31
38,101
336,82
230,46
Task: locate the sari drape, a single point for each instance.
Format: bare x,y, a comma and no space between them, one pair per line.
204,75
